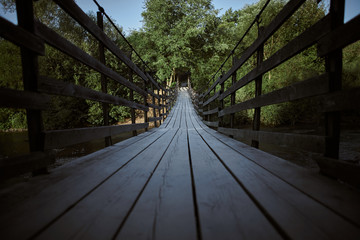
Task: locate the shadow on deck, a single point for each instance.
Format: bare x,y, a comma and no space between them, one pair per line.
180,181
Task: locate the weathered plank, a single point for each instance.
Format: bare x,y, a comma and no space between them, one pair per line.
340,37
212,111
10,167
68,137
211,87
211,99
154,106
339,100
57,41
339,198
21,37
84,20
311,143
52,86
211,124
308,88
95,215
301,42
165,210
11,98
51,196
280,200
153,119
222,203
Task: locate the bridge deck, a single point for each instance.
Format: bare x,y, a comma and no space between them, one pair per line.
180,181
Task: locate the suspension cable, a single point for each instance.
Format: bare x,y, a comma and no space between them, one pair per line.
256,20
101,9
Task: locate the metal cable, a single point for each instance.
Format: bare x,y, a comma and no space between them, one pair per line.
256,19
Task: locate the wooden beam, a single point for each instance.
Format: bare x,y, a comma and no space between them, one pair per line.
11,167
62,138
154,119
57,41
345,100
311,143
211,124
340,37
212,111
10,98
52,86
308,88
21,37
216,95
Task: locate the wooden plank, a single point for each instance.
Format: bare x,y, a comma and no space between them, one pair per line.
50,196
342,170
152,80
308,88
52,86
301,42
63,138
212,111
154,106
154,119
340,101
10,98
339,198
21,37
11,167
153,94
275,24
114,199
212,124
211,87
340,37
222,203
165,209
312,143
216,95
84,20
57,41
280,200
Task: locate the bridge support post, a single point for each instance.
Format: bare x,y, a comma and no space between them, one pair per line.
333,65
258,87
154,102
105,106
132,110
29,60
146,104
233,95
221,119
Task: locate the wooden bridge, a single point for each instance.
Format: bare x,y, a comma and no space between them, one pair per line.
181,180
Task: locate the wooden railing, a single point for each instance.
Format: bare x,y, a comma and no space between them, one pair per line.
330,35
31,36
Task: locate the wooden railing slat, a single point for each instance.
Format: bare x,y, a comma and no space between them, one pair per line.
21,37
11,98
308,88
55,40
216,95
68,137
52,86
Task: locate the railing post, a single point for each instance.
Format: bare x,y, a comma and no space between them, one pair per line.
30,70
132,110
258,86
333,65
154,103
221,119
105,106
233,95
146,104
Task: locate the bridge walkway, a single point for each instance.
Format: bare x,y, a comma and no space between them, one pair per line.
182,180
